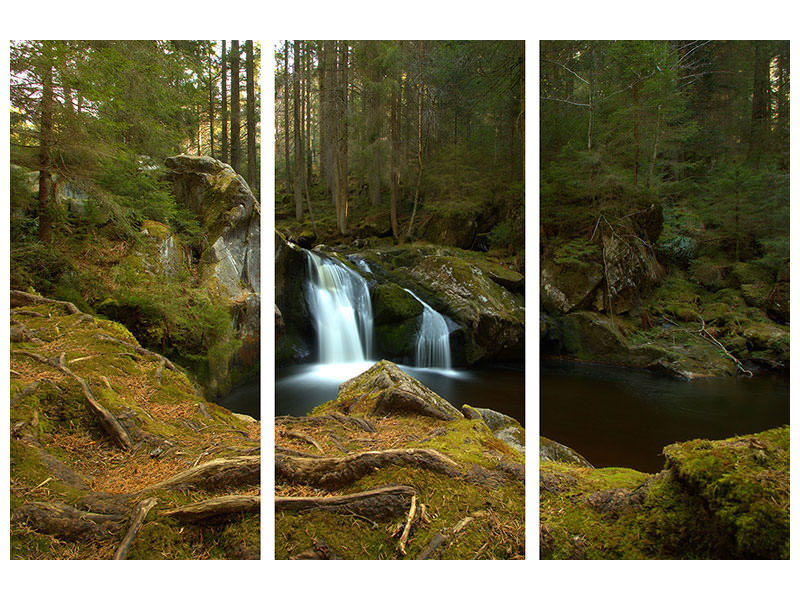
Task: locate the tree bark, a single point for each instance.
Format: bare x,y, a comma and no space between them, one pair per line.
252,158
419,145
395,159
218,473
138,517
286,116
221,506
337,472
378,504
298,138
760,113
236,122
211,87
224,77
45,147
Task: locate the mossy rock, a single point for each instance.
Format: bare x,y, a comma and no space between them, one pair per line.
725,499
391,303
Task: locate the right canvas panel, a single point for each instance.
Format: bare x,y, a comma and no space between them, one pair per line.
664,280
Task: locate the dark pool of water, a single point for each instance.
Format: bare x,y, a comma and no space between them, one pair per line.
244,399
299,389
624,417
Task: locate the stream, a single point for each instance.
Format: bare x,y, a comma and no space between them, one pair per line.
299,389
623,417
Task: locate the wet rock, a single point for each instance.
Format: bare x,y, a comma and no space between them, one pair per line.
493,317
553,451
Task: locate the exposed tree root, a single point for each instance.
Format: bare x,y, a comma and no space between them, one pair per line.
218,473
304,437
68,523
401,546
138,517
107,420
221,506
317,420
19,298
379,504
138,349
339,471
293,452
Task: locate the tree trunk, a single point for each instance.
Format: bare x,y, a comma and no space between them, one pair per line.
760,114
224,77
286,116
236,122
298,139
419,144
45,145
211,101
341,170
307,76
395,158
252,158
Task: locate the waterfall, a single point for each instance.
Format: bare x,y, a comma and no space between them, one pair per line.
433,339
339,300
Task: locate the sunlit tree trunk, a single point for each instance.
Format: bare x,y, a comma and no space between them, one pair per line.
252,159
211,100
224,76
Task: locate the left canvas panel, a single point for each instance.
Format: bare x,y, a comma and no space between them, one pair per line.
135,299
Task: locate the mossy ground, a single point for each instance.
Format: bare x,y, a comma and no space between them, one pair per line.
714,499
174,429
498,511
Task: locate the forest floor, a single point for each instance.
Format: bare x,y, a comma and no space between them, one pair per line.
103,430
354,481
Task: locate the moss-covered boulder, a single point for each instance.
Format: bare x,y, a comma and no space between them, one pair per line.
230,263
493,317
553,451
725,499
386,389
98,425
503,427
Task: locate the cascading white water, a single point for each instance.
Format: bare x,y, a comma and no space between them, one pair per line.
339,300
433,338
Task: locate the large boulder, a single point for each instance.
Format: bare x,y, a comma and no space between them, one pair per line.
384,389
551,450
230,262
493,317
504,428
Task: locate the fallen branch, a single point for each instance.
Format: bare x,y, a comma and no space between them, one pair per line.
138,517
336,472
221,506
705,333
401,546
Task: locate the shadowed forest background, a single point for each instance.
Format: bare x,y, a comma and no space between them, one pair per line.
401,139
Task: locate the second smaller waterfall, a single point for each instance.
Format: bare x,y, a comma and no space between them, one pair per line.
433,339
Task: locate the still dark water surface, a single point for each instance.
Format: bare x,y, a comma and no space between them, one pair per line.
299,389
244,399
622,417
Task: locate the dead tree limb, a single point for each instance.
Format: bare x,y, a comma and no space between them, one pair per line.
221,506
67,522
379,504
336,472
137,518
706,334
401,546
